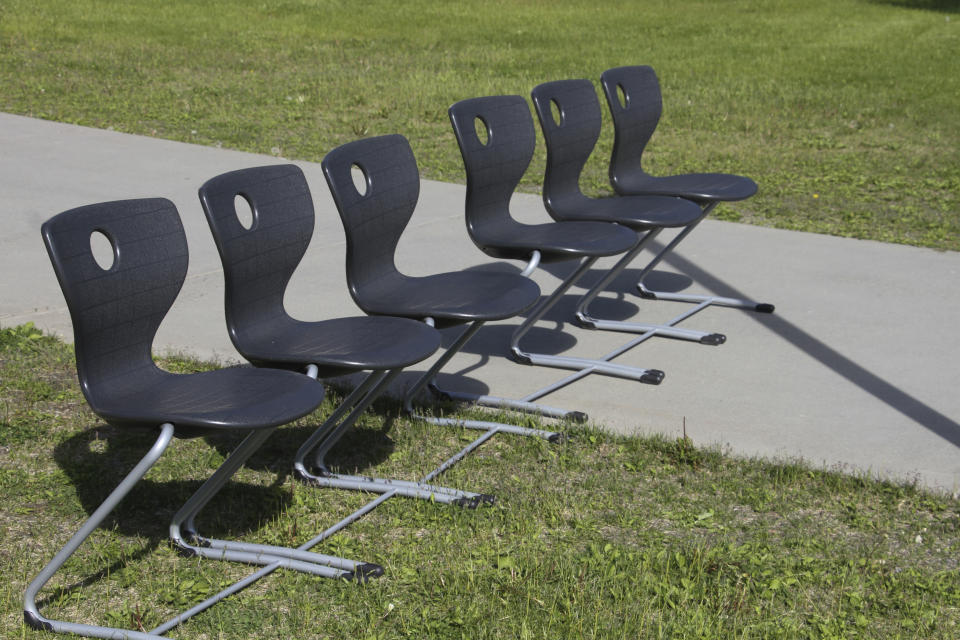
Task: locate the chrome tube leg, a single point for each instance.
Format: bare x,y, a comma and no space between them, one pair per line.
603,367
760,307
183,531
31,614
358,402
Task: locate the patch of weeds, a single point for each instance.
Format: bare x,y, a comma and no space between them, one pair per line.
599,536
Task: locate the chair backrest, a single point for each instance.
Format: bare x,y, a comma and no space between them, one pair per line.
570,118
496,163
633,95
259,257
116,309
374,215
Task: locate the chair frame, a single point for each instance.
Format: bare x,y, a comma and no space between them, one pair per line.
280,199
154,279
337,166
579,108
494,167
635,118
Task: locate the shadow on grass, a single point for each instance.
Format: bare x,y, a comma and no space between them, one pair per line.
944,6
361,447
96,460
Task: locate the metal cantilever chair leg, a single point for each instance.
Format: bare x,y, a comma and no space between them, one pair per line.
445,299
126,388
633,96
184,534
523,405
31,614
427,379
266,335
497,140
702,301
668,329
324,438
585,365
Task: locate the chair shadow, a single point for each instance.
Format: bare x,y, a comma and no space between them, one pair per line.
869,382
943,6
361,448
96,460
626,280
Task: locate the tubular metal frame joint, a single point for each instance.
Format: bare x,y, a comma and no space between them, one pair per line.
34,622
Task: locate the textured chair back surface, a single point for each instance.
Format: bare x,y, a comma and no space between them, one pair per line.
633,95
571,138
116,310
375,219
494,165
258,261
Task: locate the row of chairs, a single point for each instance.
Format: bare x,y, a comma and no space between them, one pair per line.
117,307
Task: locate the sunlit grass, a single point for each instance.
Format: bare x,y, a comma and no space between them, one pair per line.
602,536
845,112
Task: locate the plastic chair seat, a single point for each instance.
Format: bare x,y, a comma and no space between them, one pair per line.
650,212
225,399
705,187
555,242
633,95
340,345
450,298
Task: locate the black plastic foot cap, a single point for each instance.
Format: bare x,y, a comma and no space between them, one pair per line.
764,307
557,438
646,295
475,501
36,623
364,572
522,359
440,394
185,551
652,376
713,339
576,416
584,323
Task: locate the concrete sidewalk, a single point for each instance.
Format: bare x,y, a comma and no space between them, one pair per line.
857,368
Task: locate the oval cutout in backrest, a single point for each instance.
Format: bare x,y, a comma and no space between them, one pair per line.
103,250
360,181
555,112
622,97
482,130
244,211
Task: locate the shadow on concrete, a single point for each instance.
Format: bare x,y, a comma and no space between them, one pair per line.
884,391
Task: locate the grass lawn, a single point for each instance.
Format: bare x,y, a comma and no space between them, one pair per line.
844,111
599,537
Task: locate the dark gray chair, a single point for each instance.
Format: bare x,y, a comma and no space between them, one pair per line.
569,114
633,95
258,263
494,166
374,218
116,310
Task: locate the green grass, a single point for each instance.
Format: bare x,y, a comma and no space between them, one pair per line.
600,537
844,111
